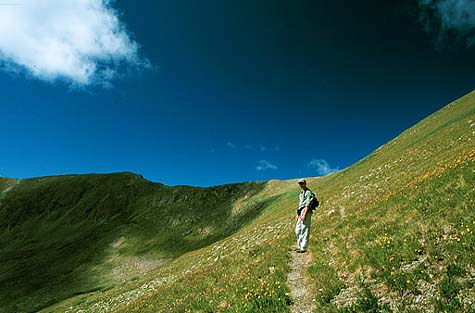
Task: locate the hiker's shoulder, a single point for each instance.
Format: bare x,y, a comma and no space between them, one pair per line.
310,192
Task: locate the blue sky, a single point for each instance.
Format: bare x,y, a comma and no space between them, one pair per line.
213,92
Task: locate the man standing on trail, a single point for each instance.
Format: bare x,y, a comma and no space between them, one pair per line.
303,218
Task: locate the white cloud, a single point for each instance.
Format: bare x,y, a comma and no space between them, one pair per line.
322,167
265,165
449,15
80,41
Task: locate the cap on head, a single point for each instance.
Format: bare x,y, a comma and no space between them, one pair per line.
302,181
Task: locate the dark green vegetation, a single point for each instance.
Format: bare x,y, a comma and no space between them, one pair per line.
394,234
73,234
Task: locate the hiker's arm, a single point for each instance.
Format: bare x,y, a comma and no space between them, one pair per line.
308,197
304,214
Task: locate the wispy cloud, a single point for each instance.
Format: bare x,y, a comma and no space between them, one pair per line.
265,165
263,148
230,145
444,16
80,41
252,147
322,167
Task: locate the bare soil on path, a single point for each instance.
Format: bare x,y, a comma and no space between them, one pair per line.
298,282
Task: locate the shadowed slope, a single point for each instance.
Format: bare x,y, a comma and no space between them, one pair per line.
72,234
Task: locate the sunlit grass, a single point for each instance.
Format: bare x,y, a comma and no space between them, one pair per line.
403,217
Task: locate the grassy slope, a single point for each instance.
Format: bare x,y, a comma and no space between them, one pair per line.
395,232
5,185
400,232
75,234
241,272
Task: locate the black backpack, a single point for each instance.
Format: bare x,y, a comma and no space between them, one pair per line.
314,203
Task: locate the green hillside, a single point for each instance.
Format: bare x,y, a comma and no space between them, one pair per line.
73,234
394,234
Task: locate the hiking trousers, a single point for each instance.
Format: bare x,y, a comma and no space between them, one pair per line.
302,231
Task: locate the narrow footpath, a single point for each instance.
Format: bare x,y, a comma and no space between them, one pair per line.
4,192
298,283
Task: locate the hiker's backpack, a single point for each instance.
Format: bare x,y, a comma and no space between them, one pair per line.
314,203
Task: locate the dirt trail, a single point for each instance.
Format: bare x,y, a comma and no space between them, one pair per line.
298,283
4,192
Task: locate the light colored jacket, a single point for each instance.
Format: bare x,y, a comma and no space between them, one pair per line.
305,197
